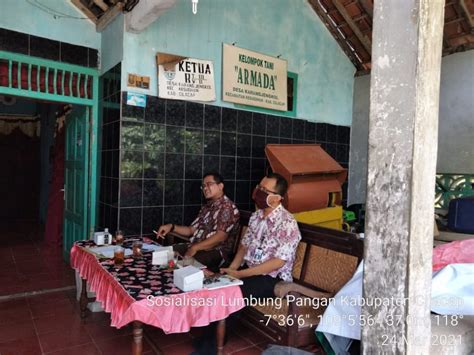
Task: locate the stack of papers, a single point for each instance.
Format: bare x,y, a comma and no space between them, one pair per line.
220,281
108,251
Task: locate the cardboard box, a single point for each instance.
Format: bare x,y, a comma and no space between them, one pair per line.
188,278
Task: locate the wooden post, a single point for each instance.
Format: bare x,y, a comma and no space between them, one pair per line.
404,99
137,345
83,301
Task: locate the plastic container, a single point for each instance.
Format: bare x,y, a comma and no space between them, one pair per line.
461,215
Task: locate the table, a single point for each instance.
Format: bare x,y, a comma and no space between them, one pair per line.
141,293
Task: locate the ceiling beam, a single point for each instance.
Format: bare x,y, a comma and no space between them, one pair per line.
85,10
362,38
466,13
108,16
367,7
337,36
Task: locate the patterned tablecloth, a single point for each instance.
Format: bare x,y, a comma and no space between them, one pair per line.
140,291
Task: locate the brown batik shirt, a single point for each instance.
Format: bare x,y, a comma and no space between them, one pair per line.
218,215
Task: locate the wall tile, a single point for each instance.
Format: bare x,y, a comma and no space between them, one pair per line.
12,41
130,220
132,164
229,120
212,118
190,214
229,189
258,147
298,129
155,137
286,127
152,219
132,113
257,169
174,166
244,122
153,165
153,192
244,145
343,134
273,126
194,141
155,110
243,169
321,132
309,131
130,193
194,115
175,113
242,192
132,135
228,168
331,133
210,163
193,167
212,142
259,123
74,54
175,139
228,144
44,48
173,214
192,192
173,192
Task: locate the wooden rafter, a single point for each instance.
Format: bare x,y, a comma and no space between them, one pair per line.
469,17
85,10
362,38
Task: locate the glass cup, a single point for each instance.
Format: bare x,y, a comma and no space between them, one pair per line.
137,249
119,256
118,237
188,260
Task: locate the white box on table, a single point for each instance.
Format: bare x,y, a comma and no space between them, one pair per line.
162,255
188,278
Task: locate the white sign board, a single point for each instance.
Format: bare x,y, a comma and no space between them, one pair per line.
188,79
254,79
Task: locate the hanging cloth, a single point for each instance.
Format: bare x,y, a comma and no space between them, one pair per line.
54,220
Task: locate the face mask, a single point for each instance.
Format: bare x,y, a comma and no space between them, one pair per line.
260,197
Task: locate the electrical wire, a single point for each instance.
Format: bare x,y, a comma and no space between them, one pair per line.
56,14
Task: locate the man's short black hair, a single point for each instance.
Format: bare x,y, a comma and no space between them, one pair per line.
281,185
215,175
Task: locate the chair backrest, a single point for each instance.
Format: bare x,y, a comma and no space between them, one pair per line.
325,258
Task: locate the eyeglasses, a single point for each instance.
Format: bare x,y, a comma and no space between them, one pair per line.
208,184
261,188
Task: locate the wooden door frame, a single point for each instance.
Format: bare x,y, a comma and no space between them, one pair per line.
90,99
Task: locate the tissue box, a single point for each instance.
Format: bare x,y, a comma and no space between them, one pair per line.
102,238
162,255
188,278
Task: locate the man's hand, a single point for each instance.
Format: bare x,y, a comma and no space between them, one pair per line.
164,230
232,272
191,251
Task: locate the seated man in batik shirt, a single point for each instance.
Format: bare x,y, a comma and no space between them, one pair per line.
213,231
267,251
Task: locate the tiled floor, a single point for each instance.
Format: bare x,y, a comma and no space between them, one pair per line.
50,323
27,264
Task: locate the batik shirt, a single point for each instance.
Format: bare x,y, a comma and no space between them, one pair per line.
218,215
277,236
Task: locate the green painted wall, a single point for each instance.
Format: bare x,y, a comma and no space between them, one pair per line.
289,28
23,16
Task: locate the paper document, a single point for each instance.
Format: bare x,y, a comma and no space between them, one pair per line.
193,262
108,251
220,281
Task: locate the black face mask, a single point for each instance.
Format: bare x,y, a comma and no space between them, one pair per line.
260,198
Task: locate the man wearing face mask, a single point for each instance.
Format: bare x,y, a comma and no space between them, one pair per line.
267,250
266,253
